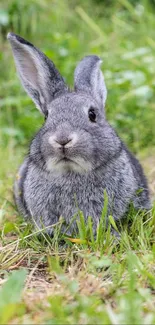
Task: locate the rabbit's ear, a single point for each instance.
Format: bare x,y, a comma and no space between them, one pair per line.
89,78
38,74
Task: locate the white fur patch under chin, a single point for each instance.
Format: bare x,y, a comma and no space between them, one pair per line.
61,167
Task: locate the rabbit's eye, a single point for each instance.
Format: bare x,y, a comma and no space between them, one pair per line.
92,115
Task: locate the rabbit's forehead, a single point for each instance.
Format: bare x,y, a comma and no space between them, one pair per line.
72,102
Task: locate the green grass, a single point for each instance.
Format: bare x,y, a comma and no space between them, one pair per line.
93,280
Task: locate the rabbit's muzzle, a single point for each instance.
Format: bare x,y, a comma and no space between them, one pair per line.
66,156
61,143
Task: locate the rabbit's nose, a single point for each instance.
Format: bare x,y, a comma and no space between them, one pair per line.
63,142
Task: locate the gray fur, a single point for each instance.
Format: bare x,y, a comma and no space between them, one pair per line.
72,160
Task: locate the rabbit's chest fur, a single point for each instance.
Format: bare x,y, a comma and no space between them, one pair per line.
51,196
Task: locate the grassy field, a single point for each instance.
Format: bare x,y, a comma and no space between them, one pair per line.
89,280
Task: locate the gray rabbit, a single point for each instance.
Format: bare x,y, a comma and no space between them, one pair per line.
76,155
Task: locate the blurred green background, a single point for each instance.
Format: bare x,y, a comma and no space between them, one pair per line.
87,285
120,32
